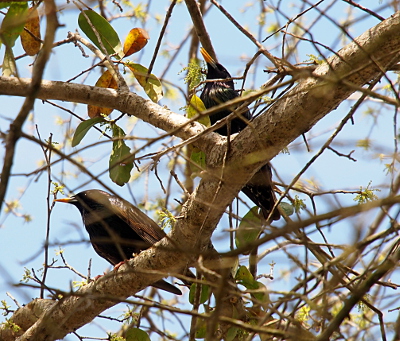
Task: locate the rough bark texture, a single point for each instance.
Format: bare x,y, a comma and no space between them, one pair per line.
313,98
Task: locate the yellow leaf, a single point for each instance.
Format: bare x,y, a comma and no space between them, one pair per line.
135,41
196,106
106,80
149,82
29,41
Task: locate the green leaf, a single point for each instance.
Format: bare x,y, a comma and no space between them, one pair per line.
289,209
9,66
106,32
198,160
196,106
13,23
136,334
249,228
150,83
262,295
197,157
203,293
121,160
6,4
245,278
232,331
201,328
83,128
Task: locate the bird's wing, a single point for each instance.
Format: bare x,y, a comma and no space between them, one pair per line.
110,257
145,227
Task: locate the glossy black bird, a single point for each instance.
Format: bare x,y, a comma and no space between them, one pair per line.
259,188
221,91
116,228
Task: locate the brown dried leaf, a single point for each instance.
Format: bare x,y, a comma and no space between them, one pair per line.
31,33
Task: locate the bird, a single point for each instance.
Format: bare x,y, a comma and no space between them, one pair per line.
219,88
117,229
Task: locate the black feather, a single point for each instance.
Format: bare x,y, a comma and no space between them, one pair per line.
221,91
117,229
259,188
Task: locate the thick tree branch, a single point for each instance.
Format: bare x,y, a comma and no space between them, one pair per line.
130,103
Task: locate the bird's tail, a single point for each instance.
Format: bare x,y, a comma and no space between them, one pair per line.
259,190
163,285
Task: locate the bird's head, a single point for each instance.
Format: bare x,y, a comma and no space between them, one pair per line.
214,69
90,200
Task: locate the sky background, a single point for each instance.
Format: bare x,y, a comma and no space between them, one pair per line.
22,243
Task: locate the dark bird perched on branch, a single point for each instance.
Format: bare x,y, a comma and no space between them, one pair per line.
259,188
117,229
220,91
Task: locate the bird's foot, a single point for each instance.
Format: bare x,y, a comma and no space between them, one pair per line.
98,276
118,265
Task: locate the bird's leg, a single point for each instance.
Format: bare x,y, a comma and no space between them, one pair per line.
98,276
118,265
